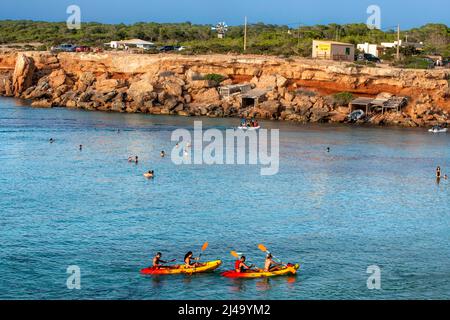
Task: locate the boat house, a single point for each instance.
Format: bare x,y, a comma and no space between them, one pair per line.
370,105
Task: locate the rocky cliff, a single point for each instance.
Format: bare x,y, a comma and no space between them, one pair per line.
295,89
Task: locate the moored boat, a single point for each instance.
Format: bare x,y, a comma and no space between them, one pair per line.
438,129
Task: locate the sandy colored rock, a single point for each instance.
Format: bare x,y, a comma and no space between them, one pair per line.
206,95
57,78
23,73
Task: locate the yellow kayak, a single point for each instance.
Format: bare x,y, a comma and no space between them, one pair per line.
288,269
205,267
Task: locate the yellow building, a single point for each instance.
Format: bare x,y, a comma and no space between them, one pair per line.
333,50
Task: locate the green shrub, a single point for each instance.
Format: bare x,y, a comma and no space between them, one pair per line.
215,77
342,98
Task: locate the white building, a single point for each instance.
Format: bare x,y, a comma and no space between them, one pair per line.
417,45
134,43
373,49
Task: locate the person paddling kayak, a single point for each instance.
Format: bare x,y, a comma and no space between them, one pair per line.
157,262
189,260
270,265
241,266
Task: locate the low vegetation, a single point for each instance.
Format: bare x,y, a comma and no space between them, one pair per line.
218,78
262,38
342,98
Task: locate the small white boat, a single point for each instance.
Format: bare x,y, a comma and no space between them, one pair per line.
249,128
356,115
438,129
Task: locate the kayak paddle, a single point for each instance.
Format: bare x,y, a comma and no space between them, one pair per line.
264,249
236,255
205,245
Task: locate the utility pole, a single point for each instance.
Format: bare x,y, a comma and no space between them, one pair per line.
245,34
398,42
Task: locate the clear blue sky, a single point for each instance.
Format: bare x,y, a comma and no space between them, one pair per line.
409,13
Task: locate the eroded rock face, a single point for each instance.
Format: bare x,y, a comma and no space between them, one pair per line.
297,90
23,73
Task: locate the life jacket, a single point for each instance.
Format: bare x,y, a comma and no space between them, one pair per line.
236,265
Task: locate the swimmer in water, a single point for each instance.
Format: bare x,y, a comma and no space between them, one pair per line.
150,174
176,146
136,159
438,174
51,140
81,147
162,154
328,149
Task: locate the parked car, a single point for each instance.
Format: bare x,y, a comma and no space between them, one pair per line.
82,49
166,48
367,57
64,48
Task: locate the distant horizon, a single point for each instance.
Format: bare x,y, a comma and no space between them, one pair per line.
409,14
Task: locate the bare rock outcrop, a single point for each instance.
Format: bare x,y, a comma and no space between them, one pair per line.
296,89
23,73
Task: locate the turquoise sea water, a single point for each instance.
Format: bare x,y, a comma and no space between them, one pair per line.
372,200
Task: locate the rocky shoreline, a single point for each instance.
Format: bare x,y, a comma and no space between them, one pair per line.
298,90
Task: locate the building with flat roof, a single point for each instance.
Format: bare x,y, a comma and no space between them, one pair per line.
131,43
333,50
373,49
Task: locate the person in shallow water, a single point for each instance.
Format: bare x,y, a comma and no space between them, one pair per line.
270,265
189,261
241,266
51,140
438,173
162,154
81,147
150,174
